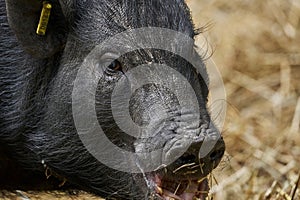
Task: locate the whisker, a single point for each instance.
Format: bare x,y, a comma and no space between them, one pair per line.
193,167
202,179
177,188
183,166
201,165
191,172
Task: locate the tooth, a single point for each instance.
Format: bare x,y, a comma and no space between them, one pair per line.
159,190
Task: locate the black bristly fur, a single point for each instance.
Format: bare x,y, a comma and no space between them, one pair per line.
36,77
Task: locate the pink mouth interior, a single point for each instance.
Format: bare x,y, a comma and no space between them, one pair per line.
181,190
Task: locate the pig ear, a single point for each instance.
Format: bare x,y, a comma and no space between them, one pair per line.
24,17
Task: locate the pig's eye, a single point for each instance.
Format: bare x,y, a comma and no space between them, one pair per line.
115,66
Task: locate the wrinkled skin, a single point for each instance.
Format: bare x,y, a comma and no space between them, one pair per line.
36,82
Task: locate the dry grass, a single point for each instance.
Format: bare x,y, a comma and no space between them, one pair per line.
257,50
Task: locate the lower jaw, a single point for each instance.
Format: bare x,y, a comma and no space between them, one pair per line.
196,190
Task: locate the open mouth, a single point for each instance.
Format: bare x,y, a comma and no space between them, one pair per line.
181,189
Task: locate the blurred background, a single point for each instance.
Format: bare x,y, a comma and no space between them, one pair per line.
256,46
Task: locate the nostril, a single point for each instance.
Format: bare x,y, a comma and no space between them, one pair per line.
216,155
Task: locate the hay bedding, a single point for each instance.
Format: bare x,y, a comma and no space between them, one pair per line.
256,47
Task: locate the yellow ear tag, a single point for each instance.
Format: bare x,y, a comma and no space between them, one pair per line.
44,18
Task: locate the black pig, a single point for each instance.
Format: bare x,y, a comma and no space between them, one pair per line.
37,81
